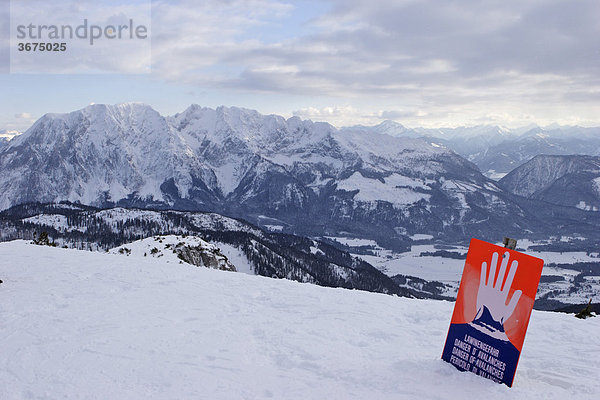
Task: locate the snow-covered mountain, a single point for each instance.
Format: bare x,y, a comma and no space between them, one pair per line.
463,140
92,155
514,151
87,325
387,127
498,150
566,180
293,175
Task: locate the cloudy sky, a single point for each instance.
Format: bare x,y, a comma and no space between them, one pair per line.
421,63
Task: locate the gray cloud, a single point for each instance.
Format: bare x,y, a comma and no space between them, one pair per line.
411,48
360,62
397,114
348,115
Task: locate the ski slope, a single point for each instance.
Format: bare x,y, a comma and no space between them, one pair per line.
87,325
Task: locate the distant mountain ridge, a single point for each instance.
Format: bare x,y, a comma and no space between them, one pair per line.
565,180
9,133
498,150
293,175
6,136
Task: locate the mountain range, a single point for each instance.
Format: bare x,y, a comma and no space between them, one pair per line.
498,150
288,175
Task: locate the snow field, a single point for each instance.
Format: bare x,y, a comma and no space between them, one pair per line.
87,325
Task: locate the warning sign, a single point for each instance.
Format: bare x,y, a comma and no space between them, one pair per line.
492,311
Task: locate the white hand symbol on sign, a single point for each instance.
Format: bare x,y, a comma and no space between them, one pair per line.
494,295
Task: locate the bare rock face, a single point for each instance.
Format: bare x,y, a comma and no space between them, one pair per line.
202,256
188,249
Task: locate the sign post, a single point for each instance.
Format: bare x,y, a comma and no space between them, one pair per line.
492,311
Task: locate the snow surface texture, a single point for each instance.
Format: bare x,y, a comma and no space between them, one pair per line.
86,325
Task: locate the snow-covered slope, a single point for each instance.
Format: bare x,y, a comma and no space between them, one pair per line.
88,325
249,248
426,271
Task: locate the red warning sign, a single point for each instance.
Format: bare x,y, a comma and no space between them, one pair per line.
492,311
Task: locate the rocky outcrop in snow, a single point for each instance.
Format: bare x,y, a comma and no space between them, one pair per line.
173,248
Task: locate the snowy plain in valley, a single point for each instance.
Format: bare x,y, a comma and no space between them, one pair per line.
87,325
447,270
